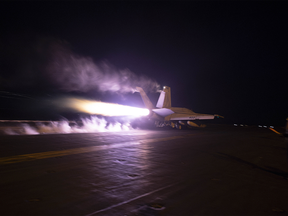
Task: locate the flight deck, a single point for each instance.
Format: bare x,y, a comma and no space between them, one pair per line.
217,170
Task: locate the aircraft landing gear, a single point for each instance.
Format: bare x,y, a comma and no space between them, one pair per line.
178,126
167,123
172,124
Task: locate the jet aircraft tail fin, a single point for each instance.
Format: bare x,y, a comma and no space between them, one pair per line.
145,98
164,100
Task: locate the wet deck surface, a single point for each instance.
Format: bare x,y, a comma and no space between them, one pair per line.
210,171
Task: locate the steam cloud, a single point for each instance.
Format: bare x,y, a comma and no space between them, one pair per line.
42,62
72,72
91,125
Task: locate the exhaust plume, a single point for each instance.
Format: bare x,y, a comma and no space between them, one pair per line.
72,72
102,108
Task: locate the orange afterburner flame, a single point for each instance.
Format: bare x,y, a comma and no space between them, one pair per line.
105,109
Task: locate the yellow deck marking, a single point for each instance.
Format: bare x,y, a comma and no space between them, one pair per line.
51,154
275,131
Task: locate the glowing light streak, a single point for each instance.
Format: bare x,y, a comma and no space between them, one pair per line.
275,131
105,109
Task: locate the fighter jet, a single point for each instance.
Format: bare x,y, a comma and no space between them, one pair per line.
176,117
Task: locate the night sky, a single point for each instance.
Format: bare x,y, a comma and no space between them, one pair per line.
226,58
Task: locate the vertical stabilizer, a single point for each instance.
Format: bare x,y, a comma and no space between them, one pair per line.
161,100
145,98
164,100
